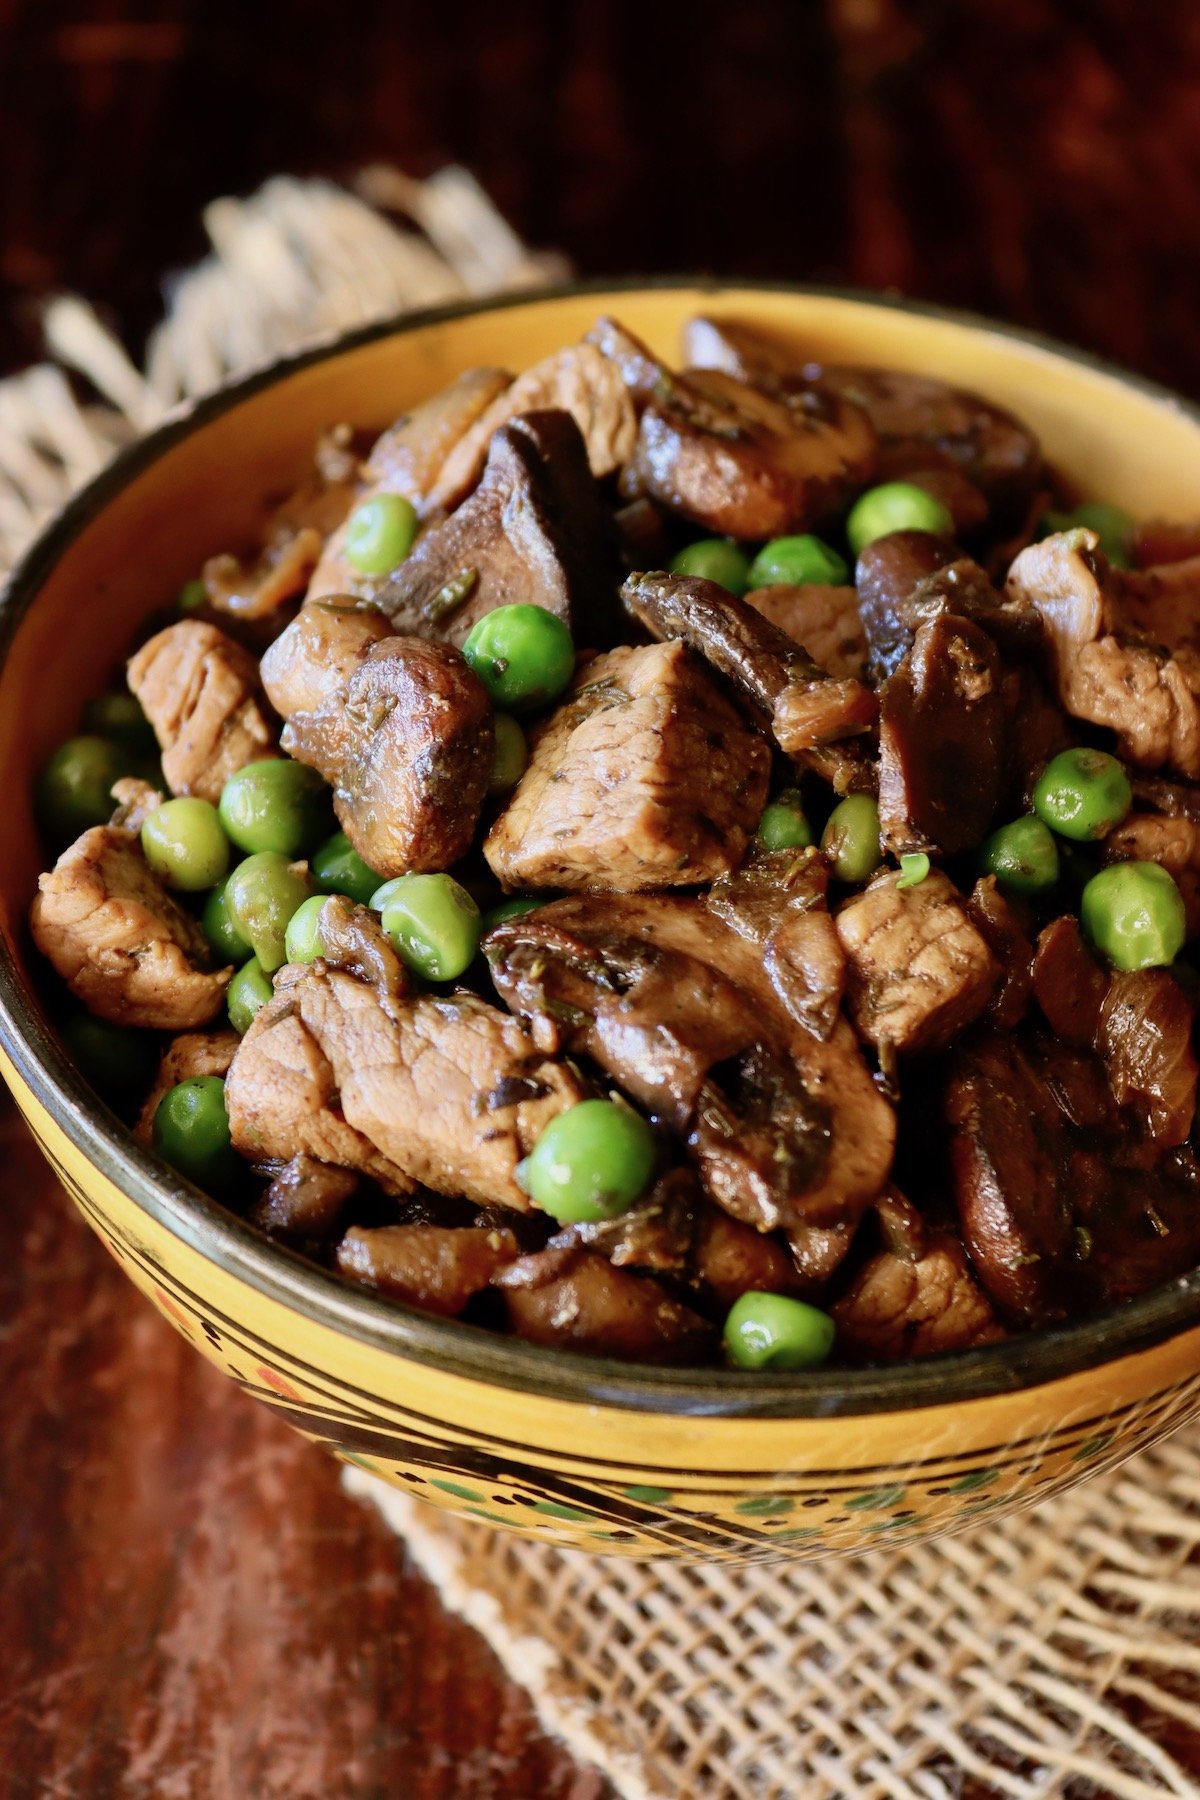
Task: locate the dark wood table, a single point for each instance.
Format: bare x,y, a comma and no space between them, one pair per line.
188,1603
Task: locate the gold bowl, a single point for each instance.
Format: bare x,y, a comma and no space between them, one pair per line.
601,1455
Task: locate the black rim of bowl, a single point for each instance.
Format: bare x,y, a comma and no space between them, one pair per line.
1024,1361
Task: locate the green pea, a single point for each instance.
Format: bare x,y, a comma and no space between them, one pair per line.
74,785
119,1063
262,894
379,534
302,940
1082,794
715,559
771,1331
276,804
119,716
514,908
1111,524
225,940
191,1131
896,506
914,867
783,825
591,1162
191,595
249,990
795,561
337,868
511,754
1134,913
184,843
522,654
1023,857
851,837
433,922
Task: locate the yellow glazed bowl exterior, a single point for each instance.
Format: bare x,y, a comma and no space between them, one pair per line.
580,1452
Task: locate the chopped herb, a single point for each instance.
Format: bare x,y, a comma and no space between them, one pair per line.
450,596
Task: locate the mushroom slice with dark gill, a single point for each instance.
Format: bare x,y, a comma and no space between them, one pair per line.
534,530
942,746
737,458
784,1129
806,710
644,776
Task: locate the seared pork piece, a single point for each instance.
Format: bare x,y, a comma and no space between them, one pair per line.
436,1267
201,693
918,970
824,621
942,761
192,1053
408,747
896,1308
1068,983
534,530
1003,930
305,1200
406,459
1009,1161
806,709
444,1091
1147,697
575,1300
747,351
121,942
1150,837
644,777
656,1236
777,900
135,801
579,381
730,1259
312,660
1163,603
1144,1039
784,1129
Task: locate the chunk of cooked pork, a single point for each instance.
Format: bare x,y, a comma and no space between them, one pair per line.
896,1308
191,1053
823,620
1105,674
305,1201
121,942
534,530
406,459
576,1300
918,970
644,777
200,690
436,1267
408,746
577,380
444,1091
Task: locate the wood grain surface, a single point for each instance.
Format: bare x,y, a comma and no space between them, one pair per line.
189,1606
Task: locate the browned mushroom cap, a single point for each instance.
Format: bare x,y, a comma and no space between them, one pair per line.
942,760
777,901
910,577
748,460
534,530
922,423
806,710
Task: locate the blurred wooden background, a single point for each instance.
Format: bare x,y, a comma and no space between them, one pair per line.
1038,159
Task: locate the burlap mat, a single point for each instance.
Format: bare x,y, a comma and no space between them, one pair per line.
1056,1653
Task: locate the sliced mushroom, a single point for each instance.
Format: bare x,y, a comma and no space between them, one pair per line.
437,1268
942,750
533,530
807,710
909,578
777,901
305,1201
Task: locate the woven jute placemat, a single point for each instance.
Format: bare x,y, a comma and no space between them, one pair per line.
1054,1653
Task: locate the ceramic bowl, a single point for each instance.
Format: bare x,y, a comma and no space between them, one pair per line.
574,1450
